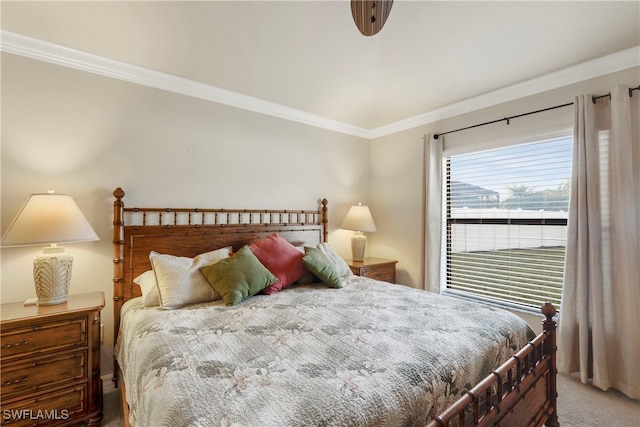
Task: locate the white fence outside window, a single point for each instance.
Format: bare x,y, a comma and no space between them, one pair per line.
489,237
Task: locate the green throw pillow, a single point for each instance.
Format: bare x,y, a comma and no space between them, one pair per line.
238,277
322,267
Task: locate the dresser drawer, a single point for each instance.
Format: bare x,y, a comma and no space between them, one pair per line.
53,408
21,342
42,372
386,273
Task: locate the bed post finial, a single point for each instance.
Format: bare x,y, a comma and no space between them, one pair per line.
549,311
550,349
118,193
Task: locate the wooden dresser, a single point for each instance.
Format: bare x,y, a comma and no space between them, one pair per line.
375,268
50,362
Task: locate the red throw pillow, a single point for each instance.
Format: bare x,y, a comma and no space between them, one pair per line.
282,259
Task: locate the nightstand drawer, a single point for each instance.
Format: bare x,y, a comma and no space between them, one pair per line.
54,408
42,372
386,273
52,336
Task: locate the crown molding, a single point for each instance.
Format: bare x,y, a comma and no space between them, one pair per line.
29,47
587,70
18,44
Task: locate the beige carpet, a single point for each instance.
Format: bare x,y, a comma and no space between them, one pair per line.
112,410
579,405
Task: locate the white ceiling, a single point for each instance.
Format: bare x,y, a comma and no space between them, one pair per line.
309,55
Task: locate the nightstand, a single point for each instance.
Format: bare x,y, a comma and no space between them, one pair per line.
50,357
375,268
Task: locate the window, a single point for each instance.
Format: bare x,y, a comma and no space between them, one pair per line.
506,222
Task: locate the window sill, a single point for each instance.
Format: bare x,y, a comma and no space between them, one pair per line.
495,303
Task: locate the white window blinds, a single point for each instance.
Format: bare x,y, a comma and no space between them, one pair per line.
506,222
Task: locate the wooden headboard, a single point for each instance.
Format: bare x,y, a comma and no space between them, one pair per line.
191,231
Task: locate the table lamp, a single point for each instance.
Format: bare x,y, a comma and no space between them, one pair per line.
358,219
50,219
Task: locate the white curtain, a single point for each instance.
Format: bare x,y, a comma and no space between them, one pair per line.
599,323
433,214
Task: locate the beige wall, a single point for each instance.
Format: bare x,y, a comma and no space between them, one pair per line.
397,194
85,135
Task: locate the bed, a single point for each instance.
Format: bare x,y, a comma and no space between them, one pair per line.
332,348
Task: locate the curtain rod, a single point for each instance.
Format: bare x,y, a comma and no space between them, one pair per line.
508,119
631,89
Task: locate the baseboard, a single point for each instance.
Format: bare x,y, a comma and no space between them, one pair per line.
107,384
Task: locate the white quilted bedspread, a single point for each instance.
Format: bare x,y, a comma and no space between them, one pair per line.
369,354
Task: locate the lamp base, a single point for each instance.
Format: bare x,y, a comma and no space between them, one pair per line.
52,276
358,245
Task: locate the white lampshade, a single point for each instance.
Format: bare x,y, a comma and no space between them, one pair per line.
359,219
50,219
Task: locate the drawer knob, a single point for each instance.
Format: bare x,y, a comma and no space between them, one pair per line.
23,342
20,380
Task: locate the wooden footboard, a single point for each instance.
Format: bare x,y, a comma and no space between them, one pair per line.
521,392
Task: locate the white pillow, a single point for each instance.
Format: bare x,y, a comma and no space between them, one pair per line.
340,264
147,283
179,279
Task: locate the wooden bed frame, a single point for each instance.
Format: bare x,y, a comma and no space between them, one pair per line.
521,392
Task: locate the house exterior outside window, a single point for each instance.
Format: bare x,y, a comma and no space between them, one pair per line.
505,214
